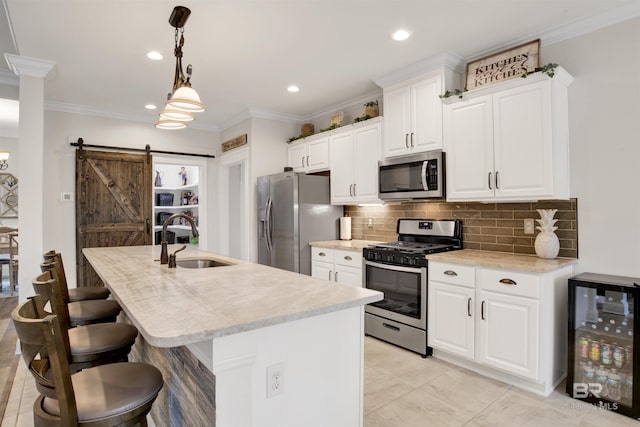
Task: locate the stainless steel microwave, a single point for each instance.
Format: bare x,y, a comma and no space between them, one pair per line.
419,176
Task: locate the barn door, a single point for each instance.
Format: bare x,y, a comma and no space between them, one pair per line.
113,204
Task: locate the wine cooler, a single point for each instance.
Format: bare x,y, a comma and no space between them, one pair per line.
602,347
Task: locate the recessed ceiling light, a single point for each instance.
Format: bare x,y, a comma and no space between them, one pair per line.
400,35
156,56
150,107
293,88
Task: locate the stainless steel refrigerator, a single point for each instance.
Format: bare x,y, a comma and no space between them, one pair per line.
293,210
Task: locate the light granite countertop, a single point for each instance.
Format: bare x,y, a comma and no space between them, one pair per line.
177,306
502,260
347,245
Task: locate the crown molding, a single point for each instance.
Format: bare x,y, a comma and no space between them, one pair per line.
255,113
33,67
357,102
448,60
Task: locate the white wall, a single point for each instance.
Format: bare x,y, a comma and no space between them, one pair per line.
604,119
59,167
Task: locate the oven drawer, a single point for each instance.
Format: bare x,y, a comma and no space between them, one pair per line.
348,258
509,282
455,274
400,334
321,254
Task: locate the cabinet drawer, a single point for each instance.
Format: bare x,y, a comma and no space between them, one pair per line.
509,282
455,274
321,254
348,258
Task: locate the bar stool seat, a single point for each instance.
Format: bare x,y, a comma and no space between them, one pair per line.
108,390
75,294
93,311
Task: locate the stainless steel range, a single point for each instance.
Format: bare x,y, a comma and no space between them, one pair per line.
399,270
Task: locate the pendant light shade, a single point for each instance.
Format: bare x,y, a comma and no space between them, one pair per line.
185,98
170,124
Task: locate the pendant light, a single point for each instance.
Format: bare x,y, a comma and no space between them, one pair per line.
183,100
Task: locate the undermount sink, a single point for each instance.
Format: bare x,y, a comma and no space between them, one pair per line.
200,263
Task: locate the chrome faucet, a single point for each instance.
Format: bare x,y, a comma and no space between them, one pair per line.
164,255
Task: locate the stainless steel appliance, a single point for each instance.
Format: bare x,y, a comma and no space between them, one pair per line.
399,270
420,176
293,210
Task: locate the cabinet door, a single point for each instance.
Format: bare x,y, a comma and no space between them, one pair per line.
366,142
297,156
468,135
523,141
342,176
508,333
318,155
426,115
348,276
451,319
322,270
397,121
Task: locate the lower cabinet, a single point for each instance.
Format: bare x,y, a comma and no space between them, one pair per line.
494,319
337,265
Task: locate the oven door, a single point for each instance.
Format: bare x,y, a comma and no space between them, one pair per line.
405,292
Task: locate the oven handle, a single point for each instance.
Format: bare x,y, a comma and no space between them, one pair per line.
395,267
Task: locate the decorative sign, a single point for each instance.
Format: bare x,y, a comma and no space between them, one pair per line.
8,196
234,143
503,66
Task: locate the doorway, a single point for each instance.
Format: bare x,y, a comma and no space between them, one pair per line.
234,205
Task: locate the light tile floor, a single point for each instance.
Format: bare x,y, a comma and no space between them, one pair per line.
401,389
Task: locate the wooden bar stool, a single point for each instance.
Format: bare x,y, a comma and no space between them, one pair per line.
85,312
89,345
118,394
78,293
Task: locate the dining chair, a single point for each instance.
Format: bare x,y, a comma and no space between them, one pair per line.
89,345
81,312
80,293
117,394
13,261
6,254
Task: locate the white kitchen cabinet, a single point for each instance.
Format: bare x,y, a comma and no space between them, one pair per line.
509,142
337,265
310,154
353,155
492,321
413,113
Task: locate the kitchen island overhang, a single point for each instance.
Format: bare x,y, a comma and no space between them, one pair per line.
239,320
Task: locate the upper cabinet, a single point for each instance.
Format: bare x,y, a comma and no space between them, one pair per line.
413,113
509,142
354,153
309,155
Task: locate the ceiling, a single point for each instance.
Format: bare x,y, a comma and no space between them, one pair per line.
246,52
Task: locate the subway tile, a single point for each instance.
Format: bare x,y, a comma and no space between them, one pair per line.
479,238
497,214
497,231
521,241
524,250
482,206
496,247
481,222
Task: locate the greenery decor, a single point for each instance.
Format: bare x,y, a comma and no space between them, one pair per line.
362,118
333,126
294,138
548,69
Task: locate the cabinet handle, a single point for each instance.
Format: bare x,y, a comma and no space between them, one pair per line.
497,186
450,273
354,190
348,258
489,181
412,139
406,140
508,282
469,307
350,190
335,276
322,254
330,271
302,161
307,161
482,310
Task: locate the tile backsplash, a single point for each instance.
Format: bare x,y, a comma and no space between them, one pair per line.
486,226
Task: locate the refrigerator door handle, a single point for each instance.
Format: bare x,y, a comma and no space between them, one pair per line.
267,225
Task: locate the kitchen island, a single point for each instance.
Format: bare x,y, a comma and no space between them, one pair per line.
221,330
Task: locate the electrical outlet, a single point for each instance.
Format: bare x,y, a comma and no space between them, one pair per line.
528,226
66,197
370,222
275,380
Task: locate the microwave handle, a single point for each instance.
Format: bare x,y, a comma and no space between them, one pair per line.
425,182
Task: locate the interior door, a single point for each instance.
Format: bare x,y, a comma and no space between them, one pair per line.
113,204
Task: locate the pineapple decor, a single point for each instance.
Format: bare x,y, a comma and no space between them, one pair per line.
547,244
